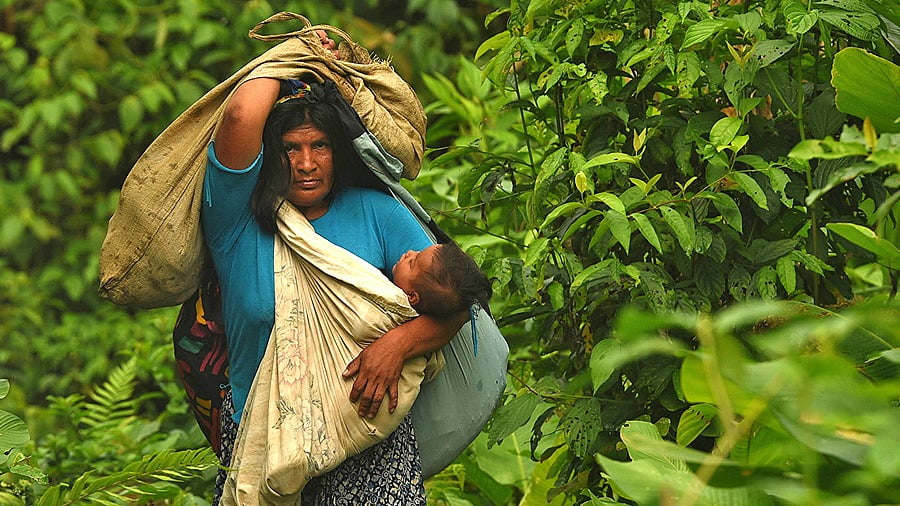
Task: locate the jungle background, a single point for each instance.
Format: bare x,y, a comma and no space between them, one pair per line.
688,210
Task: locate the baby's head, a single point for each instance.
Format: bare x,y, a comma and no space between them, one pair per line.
441,280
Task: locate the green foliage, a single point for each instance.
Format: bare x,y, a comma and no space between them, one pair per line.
866,87
680,157
154,477
13,432
14,465
105,452
798,394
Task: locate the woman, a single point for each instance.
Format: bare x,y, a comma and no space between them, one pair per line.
294,152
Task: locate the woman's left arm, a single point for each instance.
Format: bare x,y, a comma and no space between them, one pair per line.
377,368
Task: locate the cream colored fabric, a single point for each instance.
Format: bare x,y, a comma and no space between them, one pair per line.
153,251
298,421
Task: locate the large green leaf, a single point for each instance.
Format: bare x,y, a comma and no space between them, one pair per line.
618,225
581,425
682,226
693,422
867,87
558,211
658,474
751,188
865,237
787,274
765,279
687,71
767,51
511,416
13,432
647,230
611,200
701,31
860,23
728,208
494,43
601,367
799,18
723,132
590,272
634,433
608,158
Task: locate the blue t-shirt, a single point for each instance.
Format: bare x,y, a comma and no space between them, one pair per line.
372,225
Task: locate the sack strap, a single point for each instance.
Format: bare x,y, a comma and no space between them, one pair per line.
281,16
307,27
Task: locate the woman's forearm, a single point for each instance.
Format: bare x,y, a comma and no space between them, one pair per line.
426,334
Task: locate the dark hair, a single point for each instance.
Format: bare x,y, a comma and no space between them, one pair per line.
456,283
316,108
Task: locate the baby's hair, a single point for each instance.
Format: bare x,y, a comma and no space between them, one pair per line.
455,283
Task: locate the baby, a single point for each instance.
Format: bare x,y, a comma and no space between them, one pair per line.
441,280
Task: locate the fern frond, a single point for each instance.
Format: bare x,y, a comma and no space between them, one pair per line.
69,407
112,401
139,480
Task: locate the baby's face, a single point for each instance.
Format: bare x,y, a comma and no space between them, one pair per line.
412,266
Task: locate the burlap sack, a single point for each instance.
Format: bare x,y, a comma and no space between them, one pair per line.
153,251
298,422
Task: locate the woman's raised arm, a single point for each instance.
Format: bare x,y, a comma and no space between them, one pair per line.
239,137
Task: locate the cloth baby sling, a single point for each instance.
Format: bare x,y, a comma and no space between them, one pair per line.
298,422
153,253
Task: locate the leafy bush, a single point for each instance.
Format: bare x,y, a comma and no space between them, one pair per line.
677,157
789,403
104,451
14,465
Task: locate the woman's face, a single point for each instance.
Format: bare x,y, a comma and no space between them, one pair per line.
312,169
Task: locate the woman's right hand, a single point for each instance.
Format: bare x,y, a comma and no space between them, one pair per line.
328,44
377,368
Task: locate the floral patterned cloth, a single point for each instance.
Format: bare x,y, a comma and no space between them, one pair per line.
227,436
386,474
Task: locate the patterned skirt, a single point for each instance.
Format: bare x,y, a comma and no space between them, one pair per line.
387,474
